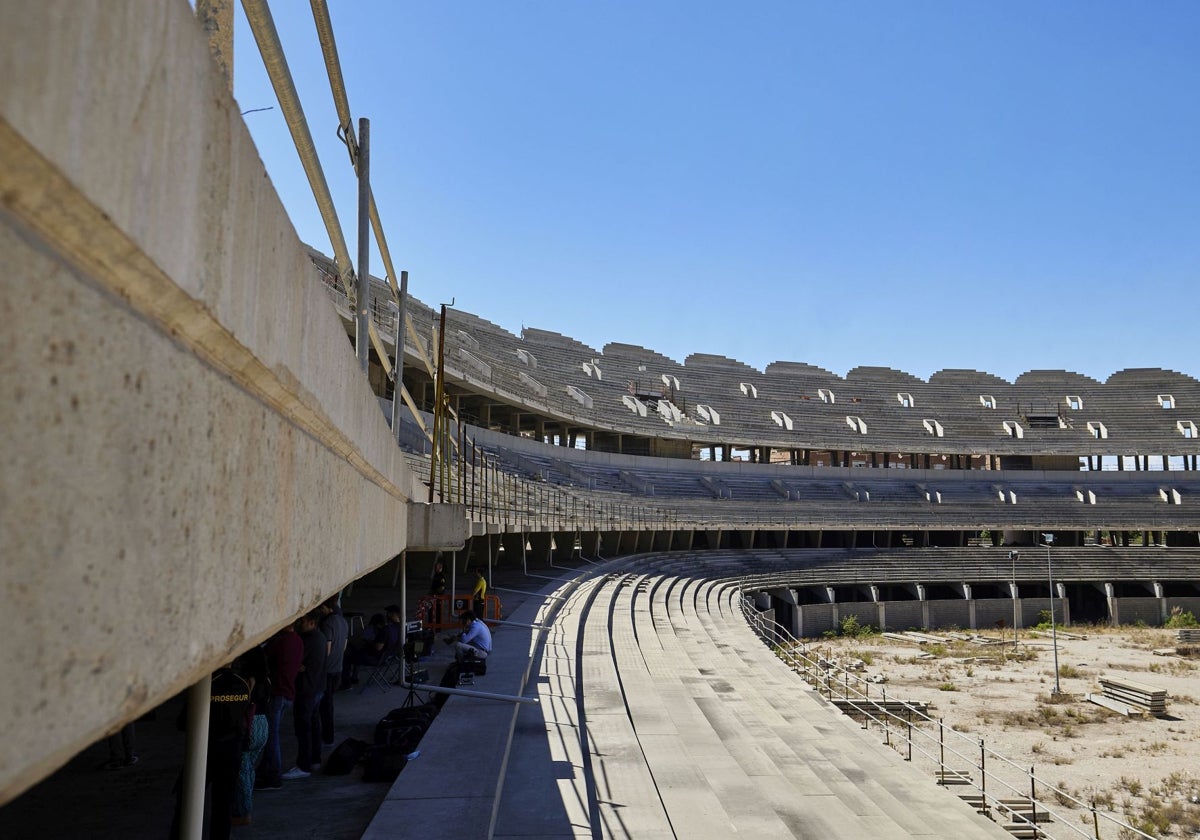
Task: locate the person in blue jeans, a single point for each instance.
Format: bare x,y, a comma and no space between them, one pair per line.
252,667
310,685
285,651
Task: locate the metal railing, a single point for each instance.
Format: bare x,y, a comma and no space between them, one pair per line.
1002,787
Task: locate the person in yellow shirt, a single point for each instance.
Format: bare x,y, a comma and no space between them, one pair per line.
479,594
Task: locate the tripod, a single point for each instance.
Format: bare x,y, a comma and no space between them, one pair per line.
410,671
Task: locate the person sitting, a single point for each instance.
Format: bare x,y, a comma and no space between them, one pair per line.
475,640
378,641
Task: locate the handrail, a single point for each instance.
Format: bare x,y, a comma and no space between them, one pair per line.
527,592
796,654
479,695
506,623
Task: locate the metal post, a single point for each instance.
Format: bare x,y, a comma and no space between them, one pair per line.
1049,539
941,753
909,756
1013,555
887,732
362,318
398,370
403,601
1033,802
439,412
195,759
983,775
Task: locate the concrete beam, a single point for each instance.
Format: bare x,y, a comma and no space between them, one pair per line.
193,458
439,527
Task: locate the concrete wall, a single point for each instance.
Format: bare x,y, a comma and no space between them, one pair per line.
1148,611
946,613
190,457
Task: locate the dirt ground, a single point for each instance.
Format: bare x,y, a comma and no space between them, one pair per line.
1143,769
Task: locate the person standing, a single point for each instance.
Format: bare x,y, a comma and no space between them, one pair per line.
336,631
284,654
254,669
229,701
121,752
310,686
479,594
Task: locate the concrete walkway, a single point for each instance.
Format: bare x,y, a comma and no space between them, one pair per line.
661,715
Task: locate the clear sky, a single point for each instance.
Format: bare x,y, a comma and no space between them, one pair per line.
1002,186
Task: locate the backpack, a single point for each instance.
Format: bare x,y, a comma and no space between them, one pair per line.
345,756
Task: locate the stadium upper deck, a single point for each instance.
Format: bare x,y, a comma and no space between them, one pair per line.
631,399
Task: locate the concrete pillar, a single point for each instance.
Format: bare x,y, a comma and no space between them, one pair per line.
195,760
216,16
564,546
1163,612
539,549
610,543
514,548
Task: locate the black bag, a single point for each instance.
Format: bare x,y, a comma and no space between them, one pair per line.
405,738
345,757
391,731
424,714
383,763
473,665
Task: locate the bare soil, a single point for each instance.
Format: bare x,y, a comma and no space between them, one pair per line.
1143,769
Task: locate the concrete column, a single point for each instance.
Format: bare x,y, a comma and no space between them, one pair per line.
539,553
564,546
216,16
195,760
610,543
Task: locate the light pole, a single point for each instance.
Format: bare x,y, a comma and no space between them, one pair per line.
1049,540
1013,555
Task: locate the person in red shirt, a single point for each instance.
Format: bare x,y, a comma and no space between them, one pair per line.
285,651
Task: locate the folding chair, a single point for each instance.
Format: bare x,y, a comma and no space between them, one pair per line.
384,673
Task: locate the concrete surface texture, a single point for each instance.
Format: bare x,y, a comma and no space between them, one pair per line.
181,474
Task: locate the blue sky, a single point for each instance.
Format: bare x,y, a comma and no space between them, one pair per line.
1002,186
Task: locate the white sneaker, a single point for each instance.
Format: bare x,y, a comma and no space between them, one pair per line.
295,773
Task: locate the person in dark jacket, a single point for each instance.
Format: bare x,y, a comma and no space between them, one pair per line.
336,630
310,686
